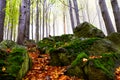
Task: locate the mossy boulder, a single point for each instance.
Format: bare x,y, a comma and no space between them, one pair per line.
64,55
87,30
73,54
100,67
16,64
7,44
115,38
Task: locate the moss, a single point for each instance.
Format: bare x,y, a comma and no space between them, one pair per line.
114,37
53,42
16,61
102,46
88,30
7,44
79,59
66,54
96,68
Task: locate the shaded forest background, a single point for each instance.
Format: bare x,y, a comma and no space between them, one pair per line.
35,19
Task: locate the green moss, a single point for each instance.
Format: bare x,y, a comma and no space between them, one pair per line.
114,37
7,44
79,59
88,30
53,42
16,64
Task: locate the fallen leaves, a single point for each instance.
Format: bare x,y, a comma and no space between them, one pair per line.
42,71
117,73
3,69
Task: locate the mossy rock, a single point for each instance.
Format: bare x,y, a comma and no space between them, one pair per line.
66,54
7,44
102,46
114,37
16,64
87,30
94,68
72,55
53,42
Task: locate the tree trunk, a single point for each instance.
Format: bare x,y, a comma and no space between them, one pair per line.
2,17
44,2
76,11
32,22
106,17
116,12
23,22
37,21
27,20
98,13
71,15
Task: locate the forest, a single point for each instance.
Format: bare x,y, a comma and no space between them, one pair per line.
59,40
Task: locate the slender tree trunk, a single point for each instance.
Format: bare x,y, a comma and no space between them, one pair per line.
11,34
54,17
2,17
23,22
32,23
46,24
37,21
98,13
44,2
76,11
71,15
64,22
40,22
87,10
106,17
116,11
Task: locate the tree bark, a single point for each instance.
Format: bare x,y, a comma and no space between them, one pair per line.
37,21
106,17
23,22
2,17
27,20
71,15
116,12
76,11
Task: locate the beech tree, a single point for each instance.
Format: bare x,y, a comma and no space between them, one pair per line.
106,16
76,11
23,21
71,14
2,17
116,12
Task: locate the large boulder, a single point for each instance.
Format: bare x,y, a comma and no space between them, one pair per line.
88,30
14,65
101,55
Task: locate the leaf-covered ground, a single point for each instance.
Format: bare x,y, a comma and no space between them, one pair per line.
41,70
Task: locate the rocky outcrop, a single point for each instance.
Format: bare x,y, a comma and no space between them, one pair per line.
87,30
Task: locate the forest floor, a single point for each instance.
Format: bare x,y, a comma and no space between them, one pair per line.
41,70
